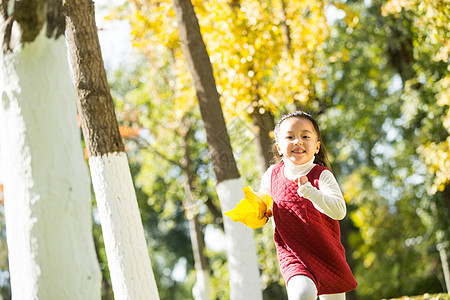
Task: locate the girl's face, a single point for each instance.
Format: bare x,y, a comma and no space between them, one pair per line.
297,140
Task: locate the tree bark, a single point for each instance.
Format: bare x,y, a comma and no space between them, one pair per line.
207,95
241,249
47,191
95,103
126,249
264,123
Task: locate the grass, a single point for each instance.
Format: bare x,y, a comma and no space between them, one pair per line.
425,297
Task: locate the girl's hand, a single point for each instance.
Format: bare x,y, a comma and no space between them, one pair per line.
301,180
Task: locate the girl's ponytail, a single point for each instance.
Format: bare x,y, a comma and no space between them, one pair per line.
321,158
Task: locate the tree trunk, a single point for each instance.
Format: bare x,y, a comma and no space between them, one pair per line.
126,249
446,198
263,122
241,249
47,191
201,288
443,246
285,29
444,262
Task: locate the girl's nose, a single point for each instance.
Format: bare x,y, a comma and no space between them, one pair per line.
296,141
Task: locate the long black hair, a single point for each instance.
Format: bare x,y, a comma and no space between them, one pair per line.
321,158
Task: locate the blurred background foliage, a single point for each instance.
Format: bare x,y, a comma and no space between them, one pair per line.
375,74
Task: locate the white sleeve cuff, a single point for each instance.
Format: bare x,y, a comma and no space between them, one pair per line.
303,190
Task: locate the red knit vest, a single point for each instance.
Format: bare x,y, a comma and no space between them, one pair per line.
308,241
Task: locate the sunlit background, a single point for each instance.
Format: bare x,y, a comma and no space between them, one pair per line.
375,74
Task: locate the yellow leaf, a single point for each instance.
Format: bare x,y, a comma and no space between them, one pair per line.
253,211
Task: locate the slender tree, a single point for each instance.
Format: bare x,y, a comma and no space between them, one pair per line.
47,190
202,287
241,250
126,249
263,122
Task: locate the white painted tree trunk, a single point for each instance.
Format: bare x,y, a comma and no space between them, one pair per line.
445,269
46,181
128,260
241,249
201,289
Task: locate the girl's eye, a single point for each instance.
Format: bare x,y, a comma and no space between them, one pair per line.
306,137
289,137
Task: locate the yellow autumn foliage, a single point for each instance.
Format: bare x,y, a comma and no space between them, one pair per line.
253,211
437,159
253,65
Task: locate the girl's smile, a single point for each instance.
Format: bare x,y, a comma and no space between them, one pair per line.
297,140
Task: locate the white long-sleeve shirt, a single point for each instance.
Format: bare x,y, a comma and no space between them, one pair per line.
327,199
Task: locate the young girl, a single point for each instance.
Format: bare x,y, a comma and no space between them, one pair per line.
307,204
